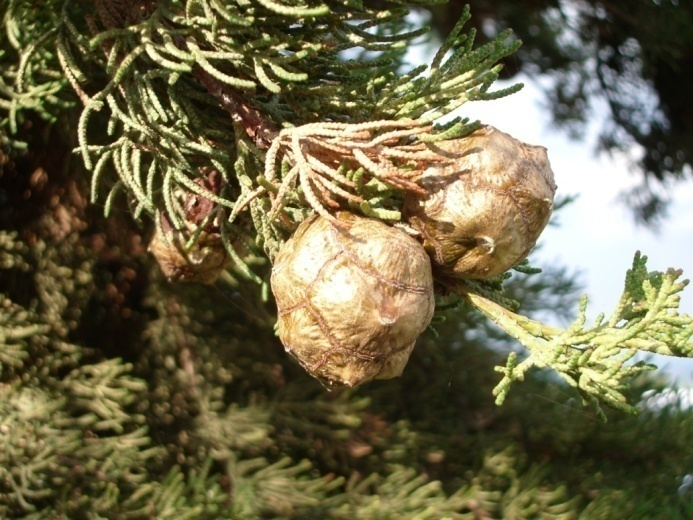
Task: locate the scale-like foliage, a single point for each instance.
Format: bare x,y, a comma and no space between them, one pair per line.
126,396
158,76
594,359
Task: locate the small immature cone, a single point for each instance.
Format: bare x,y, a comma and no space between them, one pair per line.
352,301
485,209
202,263
205,260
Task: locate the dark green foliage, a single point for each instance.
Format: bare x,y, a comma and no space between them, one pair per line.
208,418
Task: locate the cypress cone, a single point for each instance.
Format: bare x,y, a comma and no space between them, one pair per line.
483,211
352,299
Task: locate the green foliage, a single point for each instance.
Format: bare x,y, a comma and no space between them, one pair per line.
30,75
208,418
502,487
594,360
125,396
156,80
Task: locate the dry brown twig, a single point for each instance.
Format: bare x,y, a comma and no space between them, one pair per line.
320,153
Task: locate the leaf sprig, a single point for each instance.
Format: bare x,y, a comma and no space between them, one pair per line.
595,359
185,86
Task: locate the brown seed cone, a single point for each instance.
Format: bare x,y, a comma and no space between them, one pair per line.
202,263
485,209
207,258
352,301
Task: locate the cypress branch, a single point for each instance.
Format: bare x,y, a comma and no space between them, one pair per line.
594,360
122,395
